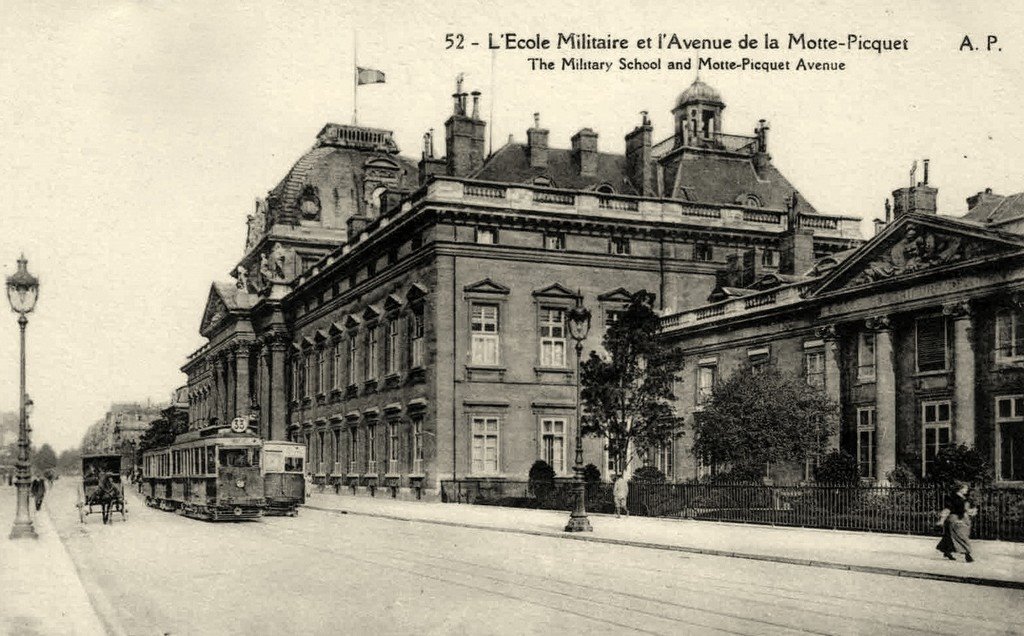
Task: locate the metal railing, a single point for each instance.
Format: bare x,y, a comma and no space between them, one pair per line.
891,509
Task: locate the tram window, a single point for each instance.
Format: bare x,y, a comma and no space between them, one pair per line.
293,464
211,459
235,457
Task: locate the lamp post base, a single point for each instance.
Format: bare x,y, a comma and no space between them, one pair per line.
23,530
578,524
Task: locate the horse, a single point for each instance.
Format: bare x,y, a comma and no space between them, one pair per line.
106,495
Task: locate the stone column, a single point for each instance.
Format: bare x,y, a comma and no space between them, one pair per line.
217,402
242,397
229,389
277,424
828,334
963,361
885,397
263,387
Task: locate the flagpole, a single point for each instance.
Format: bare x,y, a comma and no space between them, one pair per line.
355,80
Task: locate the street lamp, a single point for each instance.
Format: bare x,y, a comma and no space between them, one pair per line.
579,325
22,292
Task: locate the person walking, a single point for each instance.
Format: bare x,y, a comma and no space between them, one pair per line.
620,490
38,490
955,520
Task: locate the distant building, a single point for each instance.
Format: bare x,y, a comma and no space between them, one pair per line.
406,319
121,427
918,334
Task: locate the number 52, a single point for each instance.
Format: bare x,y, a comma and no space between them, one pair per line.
454,41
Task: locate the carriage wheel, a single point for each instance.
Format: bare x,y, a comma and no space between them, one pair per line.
124,510
81,505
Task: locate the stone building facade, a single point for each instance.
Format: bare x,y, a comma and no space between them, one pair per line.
406,319
918,334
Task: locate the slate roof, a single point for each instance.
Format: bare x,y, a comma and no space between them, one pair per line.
511,164
994,208
232,296
712,178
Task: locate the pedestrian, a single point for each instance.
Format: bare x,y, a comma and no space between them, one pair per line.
620,490
38,490
955,520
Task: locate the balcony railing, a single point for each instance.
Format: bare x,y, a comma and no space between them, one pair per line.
392,466
760,300
417,466
784,295
819,222
371,467
762,216
484,192
556,198
339,468
623,205
353,467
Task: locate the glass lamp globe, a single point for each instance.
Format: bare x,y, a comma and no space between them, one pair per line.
22,289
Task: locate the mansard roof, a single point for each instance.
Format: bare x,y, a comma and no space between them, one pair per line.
995,208
511,164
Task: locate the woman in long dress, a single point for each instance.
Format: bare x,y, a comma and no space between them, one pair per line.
955,520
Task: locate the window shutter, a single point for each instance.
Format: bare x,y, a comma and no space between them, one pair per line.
931,343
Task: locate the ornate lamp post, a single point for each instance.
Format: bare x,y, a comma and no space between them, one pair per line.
22,291
579,325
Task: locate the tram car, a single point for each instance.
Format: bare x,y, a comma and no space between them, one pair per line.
284,481
211,474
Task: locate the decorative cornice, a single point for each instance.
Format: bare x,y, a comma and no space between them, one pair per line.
878,323
958,310
826,332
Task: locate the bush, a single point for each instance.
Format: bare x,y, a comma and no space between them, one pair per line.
903,476
748,473
542,479
960,463
838,467
591,474
649,475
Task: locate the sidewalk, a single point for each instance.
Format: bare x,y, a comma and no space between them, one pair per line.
998,563
40,592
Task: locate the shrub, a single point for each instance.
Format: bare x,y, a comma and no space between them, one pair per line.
591,474
649,475
902,476
746,473
838,467
960,463
542,479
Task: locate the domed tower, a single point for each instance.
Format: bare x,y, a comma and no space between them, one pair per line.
698,114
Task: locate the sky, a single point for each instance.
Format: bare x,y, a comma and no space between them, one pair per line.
136,136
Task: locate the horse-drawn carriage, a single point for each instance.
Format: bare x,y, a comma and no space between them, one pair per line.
101,487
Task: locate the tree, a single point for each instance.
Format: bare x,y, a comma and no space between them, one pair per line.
760,417
627,393
69,461
838,468
44,459
960,464
162,432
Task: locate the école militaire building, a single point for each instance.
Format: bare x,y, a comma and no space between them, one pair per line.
405,317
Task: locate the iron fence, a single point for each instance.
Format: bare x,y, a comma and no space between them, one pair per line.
891,509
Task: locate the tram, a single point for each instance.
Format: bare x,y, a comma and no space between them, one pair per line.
284,481
211,474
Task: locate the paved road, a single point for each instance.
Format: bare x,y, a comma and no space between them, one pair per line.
321,573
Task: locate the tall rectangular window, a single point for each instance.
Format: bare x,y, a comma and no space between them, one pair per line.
619,245
336,366
707,375
321,370
1009,335
758,357
552,337
553,443
371,448
296,392
814,367
703,252
486,334
485,460
370,362
664,458
770,258
393,448
417,444
321,459
936,419
336,438
353,445
931,343
304,377
866,441
391,347
353,356
866,356
1010,440
416,338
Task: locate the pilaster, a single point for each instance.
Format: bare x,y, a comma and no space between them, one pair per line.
963,372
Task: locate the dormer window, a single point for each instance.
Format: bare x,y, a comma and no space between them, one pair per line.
543,182
605,188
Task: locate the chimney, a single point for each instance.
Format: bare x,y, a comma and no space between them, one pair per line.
761,157
639,158
982,197
537,144
464,136
915,199
879,225
797,252
356,224
429,164
584,152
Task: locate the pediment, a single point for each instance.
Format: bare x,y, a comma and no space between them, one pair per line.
915,245
351,321
486,286
371,312
320,335
416,292
336,328
392,303
620,295
215,313
556,291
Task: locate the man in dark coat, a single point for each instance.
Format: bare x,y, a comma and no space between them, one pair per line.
38,490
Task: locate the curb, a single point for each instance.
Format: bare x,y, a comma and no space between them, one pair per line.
868,569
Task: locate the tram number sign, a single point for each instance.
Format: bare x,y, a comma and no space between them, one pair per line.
239,424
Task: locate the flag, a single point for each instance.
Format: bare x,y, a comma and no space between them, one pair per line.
368,76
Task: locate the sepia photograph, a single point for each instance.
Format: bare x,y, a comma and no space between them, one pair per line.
482,318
